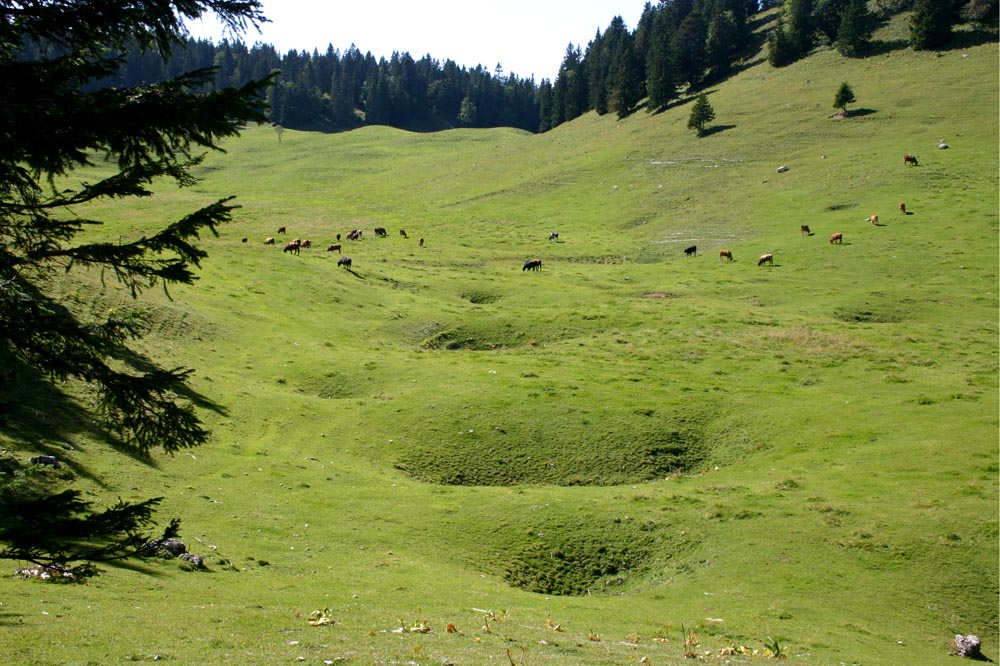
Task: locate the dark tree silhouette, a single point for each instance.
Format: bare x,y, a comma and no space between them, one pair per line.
55,120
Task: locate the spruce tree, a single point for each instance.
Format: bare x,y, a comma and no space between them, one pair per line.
854,32
931,23
701,113
56,122
844,96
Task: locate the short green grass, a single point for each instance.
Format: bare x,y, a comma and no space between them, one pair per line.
572,465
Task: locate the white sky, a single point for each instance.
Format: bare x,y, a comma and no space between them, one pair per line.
527,37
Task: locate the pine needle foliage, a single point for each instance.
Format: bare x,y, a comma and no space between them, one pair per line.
57,118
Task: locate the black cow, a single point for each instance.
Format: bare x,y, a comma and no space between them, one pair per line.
691,251
345,262
532,265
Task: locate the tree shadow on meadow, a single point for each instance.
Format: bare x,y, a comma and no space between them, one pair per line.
859,113
716,129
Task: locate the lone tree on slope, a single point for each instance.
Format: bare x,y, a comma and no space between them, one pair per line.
701,113
54,343
844,97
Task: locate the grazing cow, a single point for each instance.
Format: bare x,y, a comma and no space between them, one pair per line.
910,159
334,248
307,243
402,233
725,254
902,207
380,232
51,461
421,243
345,262
837,238
338,238
805,230
873,219
766,259
245,239
354,235
554,236
269,240
293,247
281,230
532,265
691,251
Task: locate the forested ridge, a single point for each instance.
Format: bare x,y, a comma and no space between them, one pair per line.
677,47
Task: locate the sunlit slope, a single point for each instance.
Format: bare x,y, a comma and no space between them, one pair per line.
623,442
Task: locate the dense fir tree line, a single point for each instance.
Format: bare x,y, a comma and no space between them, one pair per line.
678,47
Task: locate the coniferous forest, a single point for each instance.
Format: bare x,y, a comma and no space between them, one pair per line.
678,47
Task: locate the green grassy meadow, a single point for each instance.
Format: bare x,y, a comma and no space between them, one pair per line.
576,465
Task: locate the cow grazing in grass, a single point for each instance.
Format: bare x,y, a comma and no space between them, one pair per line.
910,159
805,230
421,242
725,254
532,265
293,246
691,251
902,207
554,236
245,239
269,240
380,232
402,233
766,259
345,262
50,461
307,243
837,238
334,248
354,235
873,219
281,230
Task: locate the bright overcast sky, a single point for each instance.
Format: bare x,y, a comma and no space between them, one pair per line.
526,37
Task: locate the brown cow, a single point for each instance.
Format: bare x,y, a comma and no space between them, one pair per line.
805,231
307,243
766,259
281,230
902,207
292,247
421,243
334,248
725,254
269,240
910,159
873,219
837,238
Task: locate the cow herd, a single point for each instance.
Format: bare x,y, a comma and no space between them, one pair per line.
297,245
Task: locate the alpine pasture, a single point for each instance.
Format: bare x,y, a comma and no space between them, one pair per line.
630,455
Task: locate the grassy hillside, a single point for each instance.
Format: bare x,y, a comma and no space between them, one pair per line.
573,465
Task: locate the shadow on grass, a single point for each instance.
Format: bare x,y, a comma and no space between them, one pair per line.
716,129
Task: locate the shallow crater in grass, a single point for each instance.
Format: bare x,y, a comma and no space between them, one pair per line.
578,559
563,452
331,385
868,314
480,297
